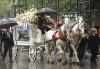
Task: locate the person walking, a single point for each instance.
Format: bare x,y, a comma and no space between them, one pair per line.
92,45
40,22
8,43
82,45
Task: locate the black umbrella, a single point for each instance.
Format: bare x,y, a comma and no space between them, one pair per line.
46,11
6,23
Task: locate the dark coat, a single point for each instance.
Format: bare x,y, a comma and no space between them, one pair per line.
92,41
8,41
0,37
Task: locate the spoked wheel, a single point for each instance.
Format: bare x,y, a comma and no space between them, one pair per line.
35,52
32,54
39,53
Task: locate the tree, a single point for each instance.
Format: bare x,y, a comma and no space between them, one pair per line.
22,5
5,7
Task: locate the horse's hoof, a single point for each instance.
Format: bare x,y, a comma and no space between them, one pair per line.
77,63
41,58
52,62
60,59
64,63
48,61
70,63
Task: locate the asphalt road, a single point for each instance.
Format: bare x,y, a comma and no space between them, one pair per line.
22,62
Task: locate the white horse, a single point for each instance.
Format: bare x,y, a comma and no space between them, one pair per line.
55,38
74,41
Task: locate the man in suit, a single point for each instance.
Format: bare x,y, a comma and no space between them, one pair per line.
41,22
8,43
93,45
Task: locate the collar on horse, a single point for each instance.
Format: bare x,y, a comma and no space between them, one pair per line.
54,35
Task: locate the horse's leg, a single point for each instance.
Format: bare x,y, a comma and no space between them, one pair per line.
64,61
61,46
62,57
59,53
48,51
75,57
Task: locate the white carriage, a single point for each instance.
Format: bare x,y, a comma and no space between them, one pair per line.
29,40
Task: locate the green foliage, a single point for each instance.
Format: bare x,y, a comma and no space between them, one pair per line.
5,7
62,6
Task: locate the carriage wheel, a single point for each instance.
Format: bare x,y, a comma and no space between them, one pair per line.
39,53
32,54
35,53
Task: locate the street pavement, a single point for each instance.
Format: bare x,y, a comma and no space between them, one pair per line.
22,62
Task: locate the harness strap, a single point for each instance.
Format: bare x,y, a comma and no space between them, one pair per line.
62,37
54,35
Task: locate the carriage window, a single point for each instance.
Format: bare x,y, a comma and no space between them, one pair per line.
22,35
